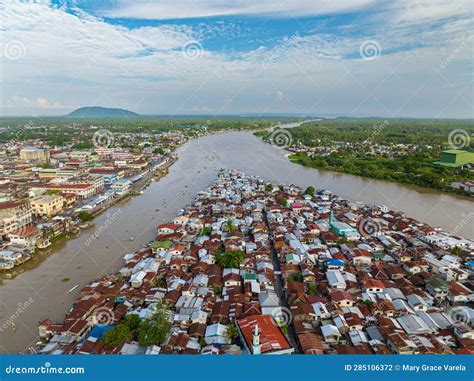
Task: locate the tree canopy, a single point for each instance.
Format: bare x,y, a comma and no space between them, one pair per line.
229,259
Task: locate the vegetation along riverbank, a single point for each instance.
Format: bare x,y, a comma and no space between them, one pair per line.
408,151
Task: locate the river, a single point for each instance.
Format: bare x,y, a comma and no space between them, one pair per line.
42,291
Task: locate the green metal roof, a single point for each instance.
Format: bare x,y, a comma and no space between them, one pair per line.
161,245
454,151
452,165
248,276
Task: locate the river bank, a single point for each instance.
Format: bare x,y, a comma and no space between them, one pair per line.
396,177
376,152
136,189
199,162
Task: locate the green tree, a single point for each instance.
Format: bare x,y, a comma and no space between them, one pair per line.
85,216
117,335
312,289
229,226
217,289
229,259
155,330
206,231
298,277
310,190
132,321
232,332
283,202
269,187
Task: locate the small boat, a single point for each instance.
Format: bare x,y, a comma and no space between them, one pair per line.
44,244
72,289
14,326
141,192
131,239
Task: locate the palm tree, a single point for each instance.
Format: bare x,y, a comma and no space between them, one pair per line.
229,227
230,259
232,332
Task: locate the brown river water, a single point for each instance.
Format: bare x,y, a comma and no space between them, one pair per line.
40,288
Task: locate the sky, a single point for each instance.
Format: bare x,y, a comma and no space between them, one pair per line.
402,58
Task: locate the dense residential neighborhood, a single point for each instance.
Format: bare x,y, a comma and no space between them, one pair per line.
48,193
252,267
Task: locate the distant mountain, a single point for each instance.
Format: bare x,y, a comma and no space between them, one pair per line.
102,112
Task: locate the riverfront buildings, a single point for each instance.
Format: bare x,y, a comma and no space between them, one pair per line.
47,193
252,267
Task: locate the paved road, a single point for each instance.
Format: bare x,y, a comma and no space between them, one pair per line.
291,334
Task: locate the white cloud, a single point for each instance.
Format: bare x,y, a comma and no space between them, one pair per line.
406,11
182,9
16,102
45,104
81,60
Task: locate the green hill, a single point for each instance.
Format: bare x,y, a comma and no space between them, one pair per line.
102,112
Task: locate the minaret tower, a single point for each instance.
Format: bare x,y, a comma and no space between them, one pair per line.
331,217
256,341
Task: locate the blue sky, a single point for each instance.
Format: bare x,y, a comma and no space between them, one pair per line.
405,58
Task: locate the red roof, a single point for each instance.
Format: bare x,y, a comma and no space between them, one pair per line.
10,204
70,186
373,283
271,337
338,296
25,231
168,226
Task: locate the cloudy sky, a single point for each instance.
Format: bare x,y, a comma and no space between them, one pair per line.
405,58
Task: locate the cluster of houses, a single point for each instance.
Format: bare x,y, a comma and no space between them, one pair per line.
328,148
254,268
43,189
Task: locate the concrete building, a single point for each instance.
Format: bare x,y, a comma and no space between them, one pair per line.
14,215
456,158
48,206
40,155
83,190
